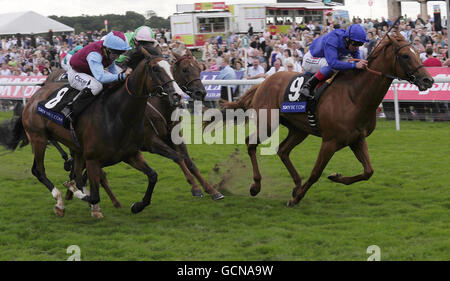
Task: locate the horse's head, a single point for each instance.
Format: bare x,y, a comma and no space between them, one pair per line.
161,82
407,64
186,72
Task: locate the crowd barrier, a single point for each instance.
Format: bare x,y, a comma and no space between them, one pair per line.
23,87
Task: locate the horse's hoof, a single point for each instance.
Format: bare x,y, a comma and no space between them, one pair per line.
58,211
334,177
117,205
291,203
197,193
254,191
97,214
217,196
137,207
68,165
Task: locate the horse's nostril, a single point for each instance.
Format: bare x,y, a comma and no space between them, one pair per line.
428,81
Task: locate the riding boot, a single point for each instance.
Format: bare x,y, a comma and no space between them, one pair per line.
79,104
308,87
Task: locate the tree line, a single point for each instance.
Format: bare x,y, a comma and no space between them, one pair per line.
130,21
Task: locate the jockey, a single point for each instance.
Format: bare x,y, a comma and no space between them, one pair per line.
326,51
141,35
87,69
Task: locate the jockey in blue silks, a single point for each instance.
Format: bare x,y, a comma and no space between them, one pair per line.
327,50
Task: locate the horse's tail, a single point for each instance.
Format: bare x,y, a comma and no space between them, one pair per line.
244,102
12,133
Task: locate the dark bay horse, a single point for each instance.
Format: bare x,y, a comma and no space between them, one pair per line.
109,131
346,112
158,125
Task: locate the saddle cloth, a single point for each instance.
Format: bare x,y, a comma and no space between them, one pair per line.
57,101
293,102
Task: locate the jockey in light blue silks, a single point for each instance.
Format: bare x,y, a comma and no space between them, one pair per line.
87,69
326,51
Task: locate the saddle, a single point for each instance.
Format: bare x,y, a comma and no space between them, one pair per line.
293,102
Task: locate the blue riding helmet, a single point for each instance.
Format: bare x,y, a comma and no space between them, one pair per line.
356,32
116,40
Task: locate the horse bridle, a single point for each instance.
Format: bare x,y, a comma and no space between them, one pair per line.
159,89
409,74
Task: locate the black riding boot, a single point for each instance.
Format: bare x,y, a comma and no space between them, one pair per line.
308,87
79,105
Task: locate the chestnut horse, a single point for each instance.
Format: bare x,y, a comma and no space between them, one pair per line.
346,111
109,131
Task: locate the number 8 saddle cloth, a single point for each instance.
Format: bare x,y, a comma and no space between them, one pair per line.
53,107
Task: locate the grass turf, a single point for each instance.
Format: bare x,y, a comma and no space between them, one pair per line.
403,208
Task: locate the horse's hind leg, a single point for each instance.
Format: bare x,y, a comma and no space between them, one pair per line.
327,151
265,126
68,163
255,188
284,150
105,184
38,170
362,154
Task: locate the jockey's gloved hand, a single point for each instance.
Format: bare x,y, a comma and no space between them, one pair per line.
361,64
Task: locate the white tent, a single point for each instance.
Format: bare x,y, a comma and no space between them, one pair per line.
29,23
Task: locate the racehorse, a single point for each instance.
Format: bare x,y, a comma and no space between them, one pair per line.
109,131
158,124
346,111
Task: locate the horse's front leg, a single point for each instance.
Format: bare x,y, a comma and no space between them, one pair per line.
327,151
191,169
361,152
158,146
78,185
94,172
138,162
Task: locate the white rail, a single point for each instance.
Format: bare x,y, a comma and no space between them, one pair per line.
259,81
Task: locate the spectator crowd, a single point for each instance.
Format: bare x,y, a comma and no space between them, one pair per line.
35,55
267,53
264,55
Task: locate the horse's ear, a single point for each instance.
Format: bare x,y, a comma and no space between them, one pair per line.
144,52
188,52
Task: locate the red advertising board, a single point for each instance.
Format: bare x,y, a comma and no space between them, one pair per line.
409,92
19,92
406,91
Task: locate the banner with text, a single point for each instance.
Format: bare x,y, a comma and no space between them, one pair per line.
410,92
19,92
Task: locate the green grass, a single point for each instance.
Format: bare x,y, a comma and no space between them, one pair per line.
403,208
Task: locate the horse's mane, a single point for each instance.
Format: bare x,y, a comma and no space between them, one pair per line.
136,56
384,44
